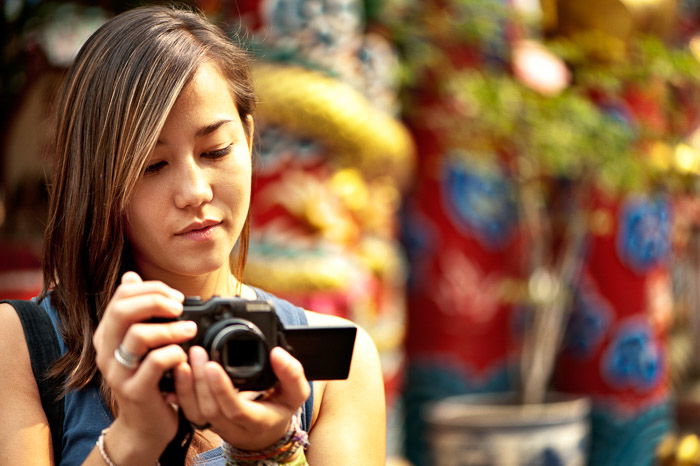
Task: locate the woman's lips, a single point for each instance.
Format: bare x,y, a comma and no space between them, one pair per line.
204,233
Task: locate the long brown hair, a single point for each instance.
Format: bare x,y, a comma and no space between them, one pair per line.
111,109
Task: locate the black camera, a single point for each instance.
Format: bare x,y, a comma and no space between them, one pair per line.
239,334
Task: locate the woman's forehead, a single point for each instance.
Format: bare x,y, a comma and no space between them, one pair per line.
208,86
205,101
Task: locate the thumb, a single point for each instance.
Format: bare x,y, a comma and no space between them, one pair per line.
293,387
131,277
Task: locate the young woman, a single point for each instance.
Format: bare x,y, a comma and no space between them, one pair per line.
149,202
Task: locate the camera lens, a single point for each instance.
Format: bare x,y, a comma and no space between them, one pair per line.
240,348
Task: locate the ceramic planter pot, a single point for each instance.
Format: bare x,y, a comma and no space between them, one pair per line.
494,429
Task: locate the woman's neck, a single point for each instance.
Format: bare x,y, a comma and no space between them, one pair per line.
219,283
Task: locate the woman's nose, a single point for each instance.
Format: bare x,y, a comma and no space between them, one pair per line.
193,186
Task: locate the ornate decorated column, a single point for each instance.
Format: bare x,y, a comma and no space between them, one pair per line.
461,223
332,161
615,349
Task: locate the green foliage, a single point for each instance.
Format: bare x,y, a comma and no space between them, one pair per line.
481,108
563,134
647,57
421,30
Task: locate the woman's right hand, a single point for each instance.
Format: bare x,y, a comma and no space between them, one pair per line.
145,420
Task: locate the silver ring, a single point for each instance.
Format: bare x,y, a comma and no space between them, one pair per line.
126,358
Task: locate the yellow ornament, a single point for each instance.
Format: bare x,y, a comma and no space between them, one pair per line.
314,105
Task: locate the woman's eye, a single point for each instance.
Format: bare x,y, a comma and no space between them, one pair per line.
155,167
215,154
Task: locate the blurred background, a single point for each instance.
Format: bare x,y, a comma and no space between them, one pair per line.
504,193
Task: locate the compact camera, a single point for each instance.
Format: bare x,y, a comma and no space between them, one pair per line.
239,334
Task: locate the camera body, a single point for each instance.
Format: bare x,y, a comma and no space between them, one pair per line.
239,334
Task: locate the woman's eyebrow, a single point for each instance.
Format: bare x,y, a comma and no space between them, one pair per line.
203,131
211,128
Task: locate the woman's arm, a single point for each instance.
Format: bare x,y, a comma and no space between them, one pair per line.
25,437
350,427
145,421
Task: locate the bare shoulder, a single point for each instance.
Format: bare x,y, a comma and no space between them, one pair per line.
14,348
24,432
355,406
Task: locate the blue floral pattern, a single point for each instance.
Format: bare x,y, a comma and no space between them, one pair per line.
588,322
644,236
479,200
633,359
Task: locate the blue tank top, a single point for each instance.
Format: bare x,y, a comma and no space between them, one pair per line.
86,413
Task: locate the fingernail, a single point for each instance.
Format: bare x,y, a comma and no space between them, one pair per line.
198,356
177,295
188,327
180,376
175,305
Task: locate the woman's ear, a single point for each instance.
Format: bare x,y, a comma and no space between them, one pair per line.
249,125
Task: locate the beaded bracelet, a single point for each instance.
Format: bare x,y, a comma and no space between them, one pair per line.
103,451
101,447
299,460
281,452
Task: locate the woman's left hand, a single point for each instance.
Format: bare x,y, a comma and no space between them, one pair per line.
207,396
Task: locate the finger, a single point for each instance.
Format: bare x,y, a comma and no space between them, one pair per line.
135,309
131,277
142,337
186,394
144,382
206,403
293,388
227,398
130,287
123,313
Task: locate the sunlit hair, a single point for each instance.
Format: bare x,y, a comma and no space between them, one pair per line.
111,109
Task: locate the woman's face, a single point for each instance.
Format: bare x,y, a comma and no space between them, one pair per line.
191,202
